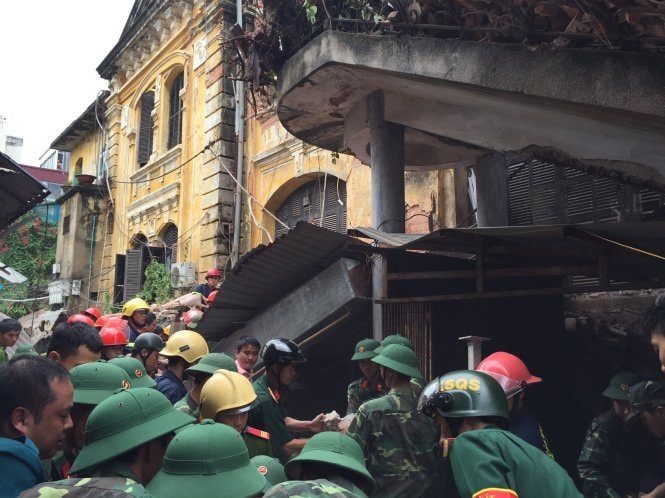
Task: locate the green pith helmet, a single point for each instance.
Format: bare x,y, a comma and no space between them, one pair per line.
25,349
211,459
334,449
364,350
148,340
94,382
465,393
270,468
212,362
138,376
399,358
620,384
394,339
124,421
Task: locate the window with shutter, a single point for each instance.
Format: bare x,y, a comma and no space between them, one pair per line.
133,273
170,239
175,112
146,126
310,203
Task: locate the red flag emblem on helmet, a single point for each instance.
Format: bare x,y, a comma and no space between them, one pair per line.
263,470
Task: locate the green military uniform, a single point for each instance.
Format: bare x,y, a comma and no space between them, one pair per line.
335,487
269,416
3,355
113,481
257,442
493,463
360,391
398,443
189,406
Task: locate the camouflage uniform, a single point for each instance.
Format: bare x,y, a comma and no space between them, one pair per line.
189,406
398,442
612,458
114,480
3,355
360,391
335,487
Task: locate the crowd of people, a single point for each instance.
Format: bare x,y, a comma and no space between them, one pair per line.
113,410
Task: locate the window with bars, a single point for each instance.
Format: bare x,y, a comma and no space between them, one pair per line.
146,126
316,205
170,239
175,112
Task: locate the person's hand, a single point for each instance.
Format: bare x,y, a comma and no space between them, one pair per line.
317,424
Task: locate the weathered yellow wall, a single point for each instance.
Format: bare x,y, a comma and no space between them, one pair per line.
87,150
278,164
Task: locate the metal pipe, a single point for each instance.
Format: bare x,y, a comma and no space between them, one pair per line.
92,247
240,155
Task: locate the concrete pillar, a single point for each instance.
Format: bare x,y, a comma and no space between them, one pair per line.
492,190
387,174
387,162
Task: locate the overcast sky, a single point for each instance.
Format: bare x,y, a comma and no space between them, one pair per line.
49,53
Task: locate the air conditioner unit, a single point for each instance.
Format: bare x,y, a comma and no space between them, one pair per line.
183,274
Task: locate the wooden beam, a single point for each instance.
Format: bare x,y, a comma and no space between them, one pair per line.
550,271
516,293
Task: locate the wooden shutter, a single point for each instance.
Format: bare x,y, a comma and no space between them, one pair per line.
133,273
119,281
175,112
146,126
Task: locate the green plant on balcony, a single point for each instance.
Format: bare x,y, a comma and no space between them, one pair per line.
157,284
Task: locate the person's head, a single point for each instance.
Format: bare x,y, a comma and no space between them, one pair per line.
227,398
398,365
10,329
205,367
393,339
617,391
211,459
93,383
93,313
510,372
136,312
330,454
114,341
280,357
138,376
213,277
133,427
150,322
74,344
647,400
270,468
247,351
363,354
184,348
37,397
653,326
465,400
146,349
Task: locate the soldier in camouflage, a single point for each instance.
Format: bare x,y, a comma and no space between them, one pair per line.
330,464
614,453
126,438
398,440
370,385
417,383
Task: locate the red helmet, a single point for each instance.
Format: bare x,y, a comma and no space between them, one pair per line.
93,313
81,318
118,323
212,296
112,336
509,371
192,318
213,272
101,321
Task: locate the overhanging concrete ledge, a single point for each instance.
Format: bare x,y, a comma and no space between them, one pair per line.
591,104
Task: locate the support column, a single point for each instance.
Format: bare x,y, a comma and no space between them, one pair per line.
492,190
387,174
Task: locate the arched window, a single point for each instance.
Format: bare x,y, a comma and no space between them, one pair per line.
146,125
170,239
175,112
312,202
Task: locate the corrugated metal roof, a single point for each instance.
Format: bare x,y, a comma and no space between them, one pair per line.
19,191
268,273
